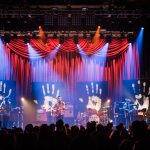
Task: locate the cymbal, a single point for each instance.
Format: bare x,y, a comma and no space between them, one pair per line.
126,99
120,102
132,104
106,107
104,111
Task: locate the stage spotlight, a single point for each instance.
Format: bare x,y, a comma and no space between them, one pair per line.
108,100
84,35
54,8
35,101
26,39
91,35
22,99
81,100
108,38
111,121
15,36
75,39
84,9
55,36
142,28
122,36
34,35
130,38
101,36
6,38
61,39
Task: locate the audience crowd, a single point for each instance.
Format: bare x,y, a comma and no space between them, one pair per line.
62,136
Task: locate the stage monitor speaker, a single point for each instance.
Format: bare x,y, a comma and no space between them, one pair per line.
41,116
69,112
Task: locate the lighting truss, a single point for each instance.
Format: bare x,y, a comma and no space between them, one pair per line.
70,34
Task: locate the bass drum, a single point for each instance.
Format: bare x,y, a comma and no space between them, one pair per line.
94,118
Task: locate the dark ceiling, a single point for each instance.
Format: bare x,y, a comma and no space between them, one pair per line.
123,15
127,3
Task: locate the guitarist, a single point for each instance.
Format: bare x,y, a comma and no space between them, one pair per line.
58,109
6,110
127,112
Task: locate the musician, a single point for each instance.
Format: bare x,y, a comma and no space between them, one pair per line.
58,109
128,112
47,108
93,107
6,110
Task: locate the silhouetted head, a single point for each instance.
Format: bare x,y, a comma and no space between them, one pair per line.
59,98
59,124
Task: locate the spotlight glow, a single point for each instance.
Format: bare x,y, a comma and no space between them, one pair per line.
111,121
35,101
22,99
108,100
139,41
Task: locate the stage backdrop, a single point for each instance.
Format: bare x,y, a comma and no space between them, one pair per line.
137,91
46,93
8,89
86,89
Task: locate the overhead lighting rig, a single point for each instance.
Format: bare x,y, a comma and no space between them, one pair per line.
55,34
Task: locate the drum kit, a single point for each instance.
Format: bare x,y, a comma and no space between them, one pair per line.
123,110
100,117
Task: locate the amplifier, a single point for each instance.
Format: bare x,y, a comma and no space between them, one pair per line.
69,112
41,115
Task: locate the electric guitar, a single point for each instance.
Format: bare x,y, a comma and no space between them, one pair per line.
58,109
5,111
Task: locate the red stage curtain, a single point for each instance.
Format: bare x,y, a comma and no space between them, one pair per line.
68,65
116,47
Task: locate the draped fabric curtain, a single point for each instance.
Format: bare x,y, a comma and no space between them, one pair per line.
69,64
